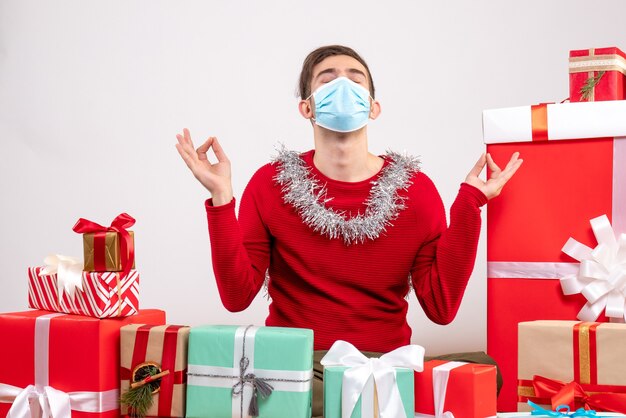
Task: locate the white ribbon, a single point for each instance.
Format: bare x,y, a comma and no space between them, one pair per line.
601,277
530,270
69,271
43,401
441,375
47,402
363,372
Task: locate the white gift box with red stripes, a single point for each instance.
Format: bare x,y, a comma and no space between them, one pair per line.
100,295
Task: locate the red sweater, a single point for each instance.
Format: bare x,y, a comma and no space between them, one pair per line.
350,292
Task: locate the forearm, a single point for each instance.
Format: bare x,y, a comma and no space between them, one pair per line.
238,278
448,262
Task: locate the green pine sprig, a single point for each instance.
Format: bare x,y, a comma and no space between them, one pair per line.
140,399
587,89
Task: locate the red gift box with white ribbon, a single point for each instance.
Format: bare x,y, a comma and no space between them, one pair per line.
574,171
53,364
455,388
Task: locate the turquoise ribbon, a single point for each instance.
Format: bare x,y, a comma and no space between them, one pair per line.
580,412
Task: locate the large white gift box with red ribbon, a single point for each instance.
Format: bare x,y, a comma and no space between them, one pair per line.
574,172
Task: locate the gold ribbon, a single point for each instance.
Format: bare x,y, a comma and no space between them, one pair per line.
591,63
584,356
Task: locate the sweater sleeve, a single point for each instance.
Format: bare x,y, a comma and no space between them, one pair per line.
240,248
446,259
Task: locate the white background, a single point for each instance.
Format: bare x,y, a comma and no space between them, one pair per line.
93,93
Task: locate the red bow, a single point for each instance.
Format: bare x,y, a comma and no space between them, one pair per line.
119,225
573,395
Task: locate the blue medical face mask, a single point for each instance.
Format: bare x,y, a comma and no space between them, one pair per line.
341,105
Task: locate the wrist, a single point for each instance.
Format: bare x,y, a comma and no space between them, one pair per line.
222,198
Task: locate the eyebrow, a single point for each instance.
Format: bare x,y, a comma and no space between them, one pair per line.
334,71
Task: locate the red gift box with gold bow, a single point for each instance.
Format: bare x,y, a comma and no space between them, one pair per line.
579,364
597,74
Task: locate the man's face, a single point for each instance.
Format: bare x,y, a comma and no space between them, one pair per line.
337,66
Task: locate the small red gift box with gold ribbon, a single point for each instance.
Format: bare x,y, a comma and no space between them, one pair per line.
108,248
156,356
579,364
597,74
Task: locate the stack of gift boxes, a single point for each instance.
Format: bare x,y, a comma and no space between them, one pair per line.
555,254
63,358
555,245
87,350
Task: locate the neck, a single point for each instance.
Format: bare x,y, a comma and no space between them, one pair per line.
344,156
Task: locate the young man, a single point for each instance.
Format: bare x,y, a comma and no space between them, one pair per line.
341,231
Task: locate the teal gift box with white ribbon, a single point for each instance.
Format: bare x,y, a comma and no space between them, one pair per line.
359,387
244,371
366,405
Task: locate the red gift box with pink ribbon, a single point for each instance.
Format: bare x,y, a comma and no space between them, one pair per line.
53,364
597,74
578,364
574,171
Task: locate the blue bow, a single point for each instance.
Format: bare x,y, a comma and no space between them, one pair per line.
561,411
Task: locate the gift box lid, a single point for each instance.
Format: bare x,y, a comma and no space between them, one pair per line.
597,59
555,122
274,347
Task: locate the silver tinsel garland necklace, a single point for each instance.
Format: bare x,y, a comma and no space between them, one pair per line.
305,193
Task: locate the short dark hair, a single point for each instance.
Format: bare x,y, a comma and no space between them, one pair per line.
320,54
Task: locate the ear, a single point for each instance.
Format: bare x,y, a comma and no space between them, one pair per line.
374,109
306,108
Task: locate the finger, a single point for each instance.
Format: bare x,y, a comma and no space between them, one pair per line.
187,137
185,156
513,164
512,161
510,170
495,169
206,145
478,167
201,152
184,146
219,151
506,175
